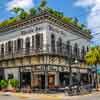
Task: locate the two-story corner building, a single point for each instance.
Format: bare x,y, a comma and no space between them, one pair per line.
36,51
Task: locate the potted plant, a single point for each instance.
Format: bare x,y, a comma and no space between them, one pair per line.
3,85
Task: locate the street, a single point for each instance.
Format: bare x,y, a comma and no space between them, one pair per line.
93,96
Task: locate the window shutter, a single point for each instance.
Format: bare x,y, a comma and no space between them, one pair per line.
33,42
41,41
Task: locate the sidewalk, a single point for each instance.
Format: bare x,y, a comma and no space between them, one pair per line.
41,96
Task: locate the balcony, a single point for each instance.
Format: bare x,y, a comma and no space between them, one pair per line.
24,52
30,52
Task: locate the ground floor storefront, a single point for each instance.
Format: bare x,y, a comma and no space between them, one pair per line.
37,77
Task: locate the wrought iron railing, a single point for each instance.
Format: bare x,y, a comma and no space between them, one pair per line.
31,51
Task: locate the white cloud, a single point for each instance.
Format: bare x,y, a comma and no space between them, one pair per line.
93,18
84,3
25,4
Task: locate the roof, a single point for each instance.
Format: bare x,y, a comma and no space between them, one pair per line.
44,16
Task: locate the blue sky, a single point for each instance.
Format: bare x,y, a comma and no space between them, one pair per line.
82,9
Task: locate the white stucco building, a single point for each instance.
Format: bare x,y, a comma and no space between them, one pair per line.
29,46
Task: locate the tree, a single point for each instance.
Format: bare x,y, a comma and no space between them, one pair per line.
23,15
93,58
42,5
16,10
32,11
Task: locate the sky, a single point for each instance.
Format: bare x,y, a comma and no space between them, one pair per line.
87,11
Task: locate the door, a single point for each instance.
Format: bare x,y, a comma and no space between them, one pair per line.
25,79
42,81
1,75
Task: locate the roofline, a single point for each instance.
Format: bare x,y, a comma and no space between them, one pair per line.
44,15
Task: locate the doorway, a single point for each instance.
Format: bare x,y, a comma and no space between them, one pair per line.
1,74
25,79
42,81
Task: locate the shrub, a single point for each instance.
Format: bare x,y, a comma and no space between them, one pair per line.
14,83
3,83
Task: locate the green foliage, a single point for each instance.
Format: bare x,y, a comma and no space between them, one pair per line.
93,56
21,14
7,22
32,11
14,83
55,13
3,83
16,10
43,3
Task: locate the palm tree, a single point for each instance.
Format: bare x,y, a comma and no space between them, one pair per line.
93,58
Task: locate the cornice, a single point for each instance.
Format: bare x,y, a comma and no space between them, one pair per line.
40,17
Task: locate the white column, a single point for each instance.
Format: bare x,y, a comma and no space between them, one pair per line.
57,79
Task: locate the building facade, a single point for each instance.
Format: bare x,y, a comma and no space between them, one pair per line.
37,52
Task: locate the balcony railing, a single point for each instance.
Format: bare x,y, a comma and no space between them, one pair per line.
40,51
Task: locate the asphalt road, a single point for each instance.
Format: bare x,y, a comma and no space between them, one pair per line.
95,96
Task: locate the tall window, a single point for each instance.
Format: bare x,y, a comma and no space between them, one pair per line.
2,49
19,44
39,41
15,45
52,43
83,52
27,44
6,47
87,48
10,47
76,50
68,47
33,42
59,45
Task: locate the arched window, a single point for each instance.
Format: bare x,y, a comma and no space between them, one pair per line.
33,42
39,41
68,47
2,49
59,45
52,43
10,47
6,47
87,48
19,44
27,44
83,52
76,50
